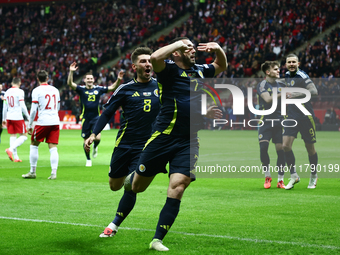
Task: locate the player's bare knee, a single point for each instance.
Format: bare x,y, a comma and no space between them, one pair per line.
115,187
137,188
286,147
310,148
116,184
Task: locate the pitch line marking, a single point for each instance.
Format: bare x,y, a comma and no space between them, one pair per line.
184,233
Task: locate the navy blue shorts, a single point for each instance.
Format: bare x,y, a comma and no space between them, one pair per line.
123,161
267,132
87,127
180,152
305,126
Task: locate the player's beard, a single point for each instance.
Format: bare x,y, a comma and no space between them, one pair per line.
186,60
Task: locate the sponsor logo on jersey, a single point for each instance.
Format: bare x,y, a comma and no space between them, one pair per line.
147,94
136,94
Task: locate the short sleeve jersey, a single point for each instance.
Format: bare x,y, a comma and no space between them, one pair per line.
13,96
140,104
89,99
174,92
47,97
265,86
298,80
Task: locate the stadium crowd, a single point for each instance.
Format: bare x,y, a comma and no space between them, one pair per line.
51,37
250,32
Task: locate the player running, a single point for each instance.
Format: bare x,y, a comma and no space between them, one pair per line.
174,140
140,103
89,98
14,107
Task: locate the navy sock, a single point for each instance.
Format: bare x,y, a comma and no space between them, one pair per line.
290,159
167,217
264,156
281,161
313,161
96,143
87,154
126,204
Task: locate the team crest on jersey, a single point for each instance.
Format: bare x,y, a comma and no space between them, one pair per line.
292,83
95,92
279,89
83,134
142,168
260,136
147,94
155,92
200,74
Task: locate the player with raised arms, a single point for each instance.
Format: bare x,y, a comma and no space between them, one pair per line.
89,98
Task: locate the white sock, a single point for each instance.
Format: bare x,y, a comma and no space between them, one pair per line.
15,154
280,178
54,159
112,226
34,155
21,139
12,140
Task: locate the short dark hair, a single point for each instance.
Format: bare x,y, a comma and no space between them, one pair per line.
292,55
88,73
269,64
42,76
140,51
16,80
178,39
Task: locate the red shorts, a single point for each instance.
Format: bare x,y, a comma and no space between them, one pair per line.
51,133
16,127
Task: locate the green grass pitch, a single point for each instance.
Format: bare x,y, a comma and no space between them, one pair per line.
221,215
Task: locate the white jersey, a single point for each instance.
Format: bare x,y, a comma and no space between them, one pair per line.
48,98
13,96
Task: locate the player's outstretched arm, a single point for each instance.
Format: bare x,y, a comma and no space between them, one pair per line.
116,84
220,63
73,67
157,58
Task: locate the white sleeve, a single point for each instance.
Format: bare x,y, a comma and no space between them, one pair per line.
34,109
4,110
24,109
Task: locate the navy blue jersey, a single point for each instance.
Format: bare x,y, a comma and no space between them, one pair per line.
265,86
174,94
2,94
298,80
89,99
140,104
